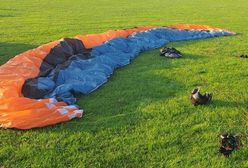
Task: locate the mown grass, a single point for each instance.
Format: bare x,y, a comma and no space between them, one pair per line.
142,117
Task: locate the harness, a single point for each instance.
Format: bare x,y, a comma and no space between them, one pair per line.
230,142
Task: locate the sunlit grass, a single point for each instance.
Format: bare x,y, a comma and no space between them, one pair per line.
142,117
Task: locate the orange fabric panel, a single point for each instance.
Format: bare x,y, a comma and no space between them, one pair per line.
13,106
197,27
190,27
35,113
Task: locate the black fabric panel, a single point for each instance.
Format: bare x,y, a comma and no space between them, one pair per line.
59,54
59,58
77,46
30,89
45,69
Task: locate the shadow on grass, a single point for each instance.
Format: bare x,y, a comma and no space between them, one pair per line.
6,15
9,50
229,104
8,12
193,57
9,9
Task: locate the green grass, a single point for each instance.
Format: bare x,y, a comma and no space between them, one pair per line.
142,117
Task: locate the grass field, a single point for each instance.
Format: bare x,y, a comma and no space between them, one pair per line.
142,117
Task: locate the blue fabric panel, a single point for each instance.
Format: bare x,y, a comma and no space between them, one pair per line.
84,76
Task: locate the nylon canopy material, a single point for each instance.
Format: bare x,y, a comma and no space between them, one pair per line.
37,87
